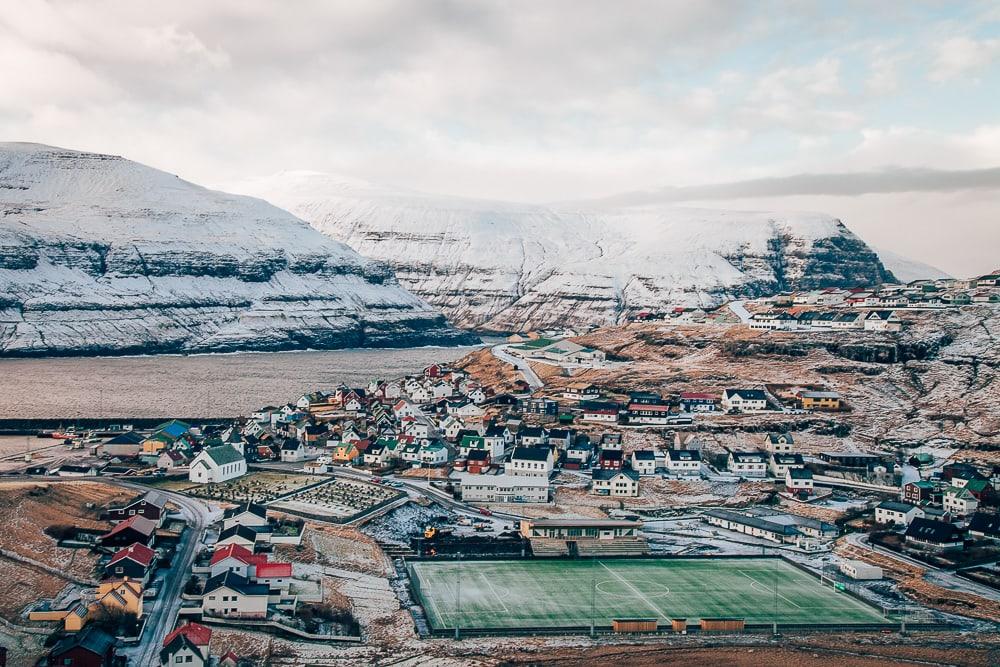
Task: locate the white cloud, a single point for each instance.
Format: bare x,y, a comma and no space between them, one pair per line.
960,56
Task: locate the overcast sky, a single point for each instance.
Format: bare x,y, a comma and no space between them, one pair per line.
545,101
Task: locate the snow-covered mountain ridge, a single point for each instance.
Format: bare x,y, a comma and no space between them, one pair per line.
505,267
101,255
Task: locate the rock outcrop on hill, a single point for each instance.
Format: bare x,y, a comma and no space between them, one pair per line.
101,255
506,267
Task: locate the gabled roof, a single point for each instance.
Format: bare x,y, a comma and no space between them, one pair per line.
788,459
684,455
91,639
644,455
139,553
929,530
235,582
985,523
176,644
799,473
612,455
603,475
138,523
247,507
246,532
239,552
223,454
199,634
895,506
530,454
126,438
478,455
747,457
746,394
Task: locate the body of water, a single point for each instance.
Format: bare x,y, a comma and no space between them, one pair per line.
193,386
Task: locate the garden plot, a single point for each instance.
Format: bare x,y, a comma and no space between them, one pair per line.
258,487
337,499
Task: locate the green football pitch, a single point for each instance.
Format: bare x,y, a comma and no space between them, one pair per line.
549,594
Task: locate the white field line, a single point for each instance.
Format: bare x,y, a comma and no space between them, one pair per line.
636,591
489,584
768,590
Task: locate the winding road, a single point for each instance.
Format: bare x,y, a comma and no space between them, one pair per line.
501,353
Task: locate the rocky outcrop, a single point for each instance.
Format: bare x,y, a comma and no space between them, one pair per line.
505,267
100,255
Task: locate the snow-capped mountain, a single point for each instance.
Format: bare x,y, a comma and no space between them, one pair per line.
906,269
101,255
503,266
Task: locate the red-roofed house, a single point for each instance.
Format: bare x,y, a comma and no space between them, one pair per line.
134,562
235,558
200,635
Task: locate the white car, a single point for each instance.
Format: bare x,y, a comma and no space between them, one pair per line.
324,460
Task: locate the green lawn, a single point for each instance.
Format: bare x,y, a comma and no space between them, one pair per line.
540,593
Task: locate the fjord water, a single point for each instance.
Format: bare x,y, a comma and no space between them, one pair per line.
210,385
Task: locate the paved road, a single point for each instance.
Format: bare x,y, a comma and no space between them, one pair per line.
501,353
935,575
740,311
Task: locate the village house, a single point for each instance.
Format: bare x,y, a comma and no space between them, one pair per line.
934,535
530,462
478,461
538,406
578,454
245,514
133,530
699,402
644,461
235,558
744,400
597,411
918,492
829,401
897,513
883,320
779,443
799,482
579,391
959,501
780,464
187,645
292,451
151,505
123,445
504,489
684,462
92,647
170,459
648,415
134,562
560,438
232,596
610,459
747,464
214,465
623,482
245,536
985,525
532,436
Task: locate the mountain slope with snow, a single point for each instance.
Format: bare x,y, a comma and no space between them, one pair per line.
101,255
906,269
503,266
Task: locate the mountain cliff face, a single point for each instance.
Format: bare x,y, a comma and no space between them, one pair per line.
507,267
100,255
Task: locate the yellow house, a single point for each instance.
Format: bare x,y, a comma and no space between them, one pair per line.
345,452
154,444
113,596
820,400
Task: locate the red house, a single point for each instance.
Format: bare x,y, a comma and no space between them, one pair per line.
610,459
91,647
478,461
152,505
135,529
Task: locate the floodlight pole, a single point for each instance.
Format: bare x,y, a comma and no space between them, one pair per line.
593,593
458,600
774,628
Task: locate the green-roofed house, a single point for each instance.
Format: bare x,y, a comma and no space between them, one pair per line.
217,464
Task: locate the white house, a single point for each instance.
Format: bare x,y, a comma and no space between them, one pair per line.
960,501
644,461
622,482
799,480
744,400
897,513
245,514
747,464
779,443
433,454
292,451
504,489
530,462
213,465
684,462
233,596
780,464
883,320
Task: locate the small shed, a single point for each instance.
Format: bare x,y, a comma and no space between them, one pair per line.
634,625
679,624
856,569
722,624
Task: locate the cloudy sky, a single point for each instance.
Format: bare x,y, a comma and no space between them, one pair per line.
886,114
